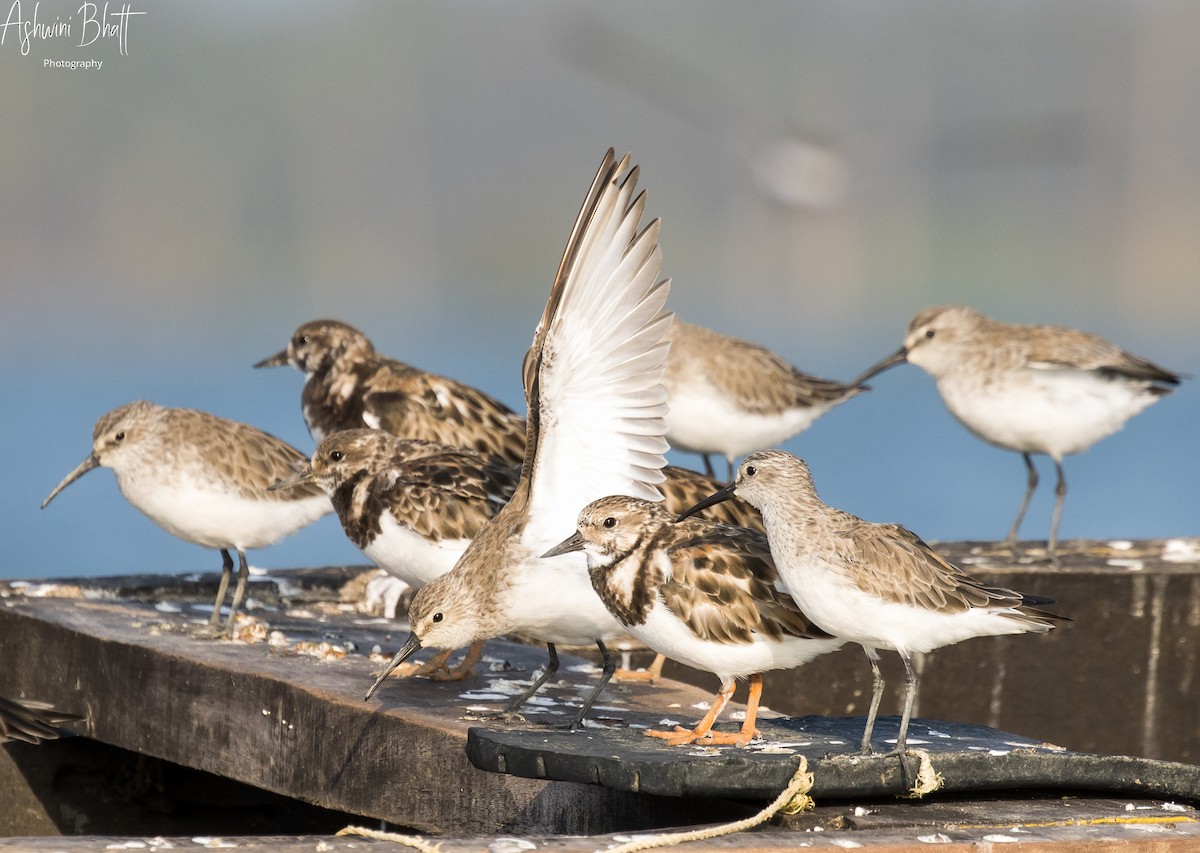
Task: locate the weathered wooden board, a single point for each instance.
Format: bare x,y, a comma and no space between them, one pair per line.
1059,825
270,714
969,759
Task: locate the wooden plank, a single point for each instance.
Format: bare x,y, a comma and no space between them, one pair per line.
1060,825
273,717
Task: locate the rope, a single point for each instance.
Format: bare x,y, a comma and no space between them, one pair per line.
793,800
379,835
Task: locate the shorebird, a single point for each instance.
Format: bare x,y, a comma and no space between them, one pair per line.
731,396
703,593
593,386
877,585
204,479
1032,389
412,507
31,722
349,385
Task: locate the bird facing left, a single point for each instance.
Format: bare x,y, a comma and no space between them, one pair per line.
204,479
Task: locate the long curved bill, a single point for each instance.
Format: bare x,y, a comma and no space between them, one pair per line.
898,357
411,646
719,496
93,461
278,360
300,478
574,542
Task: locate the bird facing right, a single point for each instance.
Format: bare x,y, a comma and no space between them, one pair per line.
1032,389
877,585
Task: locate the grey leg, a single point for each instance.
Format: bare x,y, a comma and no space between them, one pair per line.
226,572
876,695
1060,492
1029,489
239,591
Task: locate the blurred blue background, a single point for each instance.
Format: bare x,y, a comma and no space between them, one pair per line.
822,170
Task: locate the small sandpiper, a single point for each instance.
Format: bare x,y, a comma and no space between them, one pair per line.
1032,389
702,593
204,479
731,396
412,507
32,722
597,406
349,385
877,585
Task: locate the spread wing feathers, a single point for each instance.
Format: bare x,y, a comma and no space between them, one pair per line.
1058,348
597,403
31,722
916,575
722,586
683,488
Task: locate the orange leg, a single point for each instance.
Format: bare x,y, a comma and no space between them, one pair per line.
650,675
408,670
465,668
682,736
749,730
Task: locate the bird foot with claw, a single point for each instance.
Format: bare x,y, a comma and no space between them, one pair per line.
641,675
679,737
209,632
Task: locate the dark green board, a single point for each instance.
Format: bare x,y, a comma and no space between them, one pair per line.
969,758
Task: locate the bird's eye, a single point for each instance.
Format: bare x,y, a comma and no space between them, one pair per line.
751,470
437,617
337,455
304,339
610,522
120,436
929,333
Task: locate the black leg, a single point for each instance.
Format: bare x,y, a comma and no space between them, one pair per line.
510,713
708,468
610,666
1032,481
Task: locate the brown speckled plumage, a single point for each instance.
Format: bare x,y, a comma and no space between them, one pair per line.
350,386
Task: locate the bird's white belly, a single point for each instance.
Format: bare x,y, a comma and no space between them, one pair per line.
843,610
216,519
1057,412
553,601
665,634
406,554
703,420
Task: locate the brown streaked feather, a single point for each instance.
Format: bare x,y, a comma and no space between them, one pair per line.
258,459
414,404
759,380
437,491
684,488
1058,346
724,585
915,574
